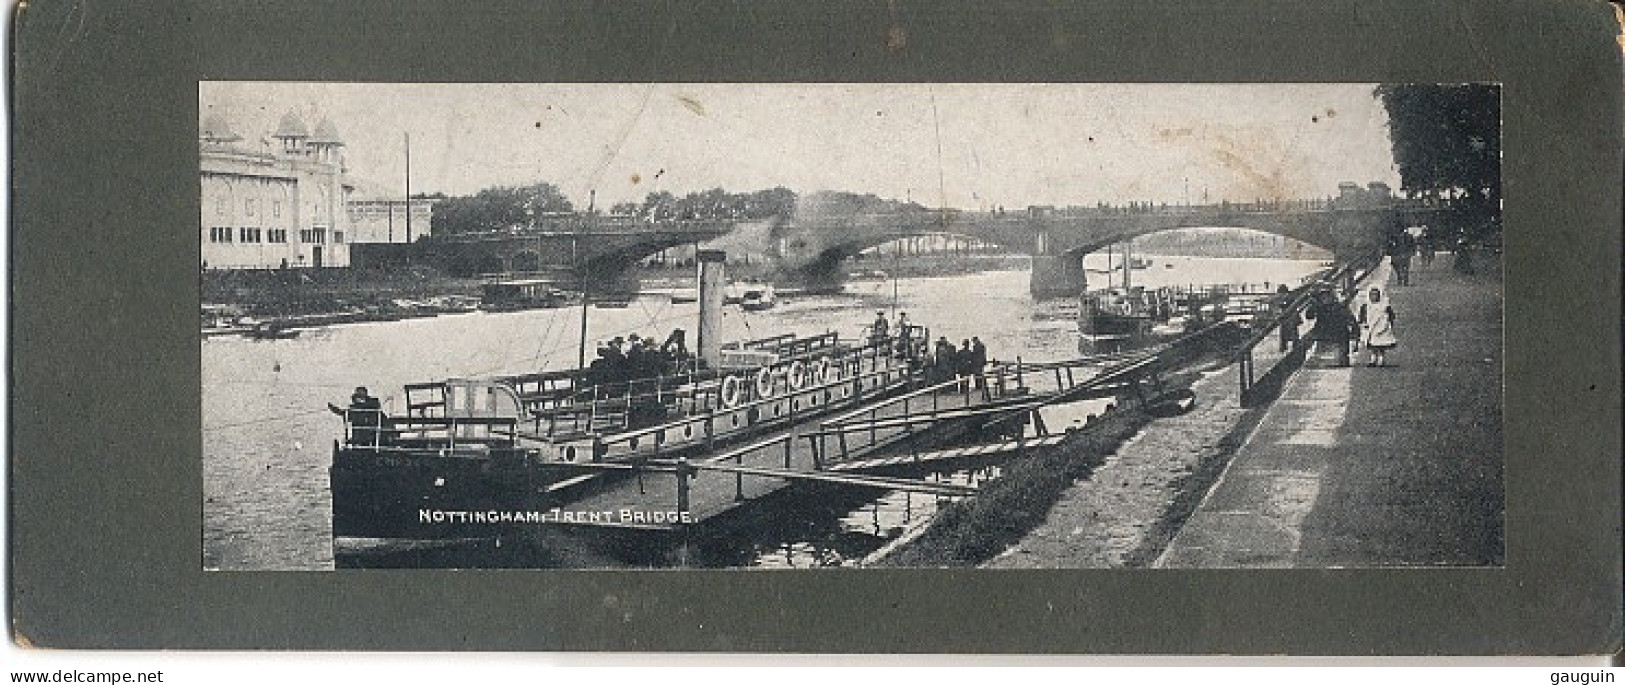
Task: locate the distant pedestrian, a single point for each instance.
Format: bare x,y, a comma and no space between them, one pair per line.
1427,247
1399,255
1378,317
1464,257
1288,320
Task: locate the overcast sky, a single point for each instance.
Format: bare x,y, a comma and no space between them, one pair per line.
959,145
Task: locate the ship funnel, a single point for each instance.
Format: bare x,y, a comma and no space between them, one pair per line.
712,285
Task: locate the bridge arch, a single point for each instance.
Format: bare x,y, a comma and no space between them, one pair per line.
821,269
1061,242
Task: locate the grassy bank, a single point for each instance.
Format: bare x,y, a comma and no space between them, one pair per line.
288,292
1191,488
971,531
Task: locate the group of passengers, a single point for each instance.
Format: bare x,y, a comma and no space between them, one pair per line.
903,339
965,362
623,360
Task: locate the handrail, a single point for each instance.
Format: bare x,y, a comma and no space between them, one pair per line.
1255,386
928,390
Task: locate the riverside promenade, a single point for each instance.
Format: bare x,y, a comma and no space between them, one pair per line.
1363,467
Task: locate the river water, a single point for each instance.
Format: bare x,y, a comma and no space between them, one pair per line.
267,435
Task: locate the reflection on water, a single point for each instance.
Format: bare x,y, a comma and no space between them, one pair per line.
821,525
267,434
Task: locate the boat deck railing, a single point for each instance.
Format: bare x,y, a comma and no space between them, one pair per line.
664,400
373,429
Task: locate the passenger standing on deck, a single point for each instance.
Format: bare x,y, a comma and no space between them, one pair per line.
366,416
944,359
877,332
978,361
1378,317
902,334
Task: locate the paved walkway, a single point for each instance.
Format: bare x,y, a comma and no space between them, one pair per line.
1395,466
1103,520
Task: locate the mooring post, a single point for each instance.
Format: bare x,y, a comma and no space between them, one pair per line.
684,470
739,479
789,444
816,444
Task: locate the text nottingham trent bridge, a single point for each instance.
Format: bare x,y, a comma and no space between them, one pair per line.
775,325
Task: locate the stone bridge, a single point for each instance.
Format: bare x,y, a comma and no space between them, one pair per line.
812,249
599,250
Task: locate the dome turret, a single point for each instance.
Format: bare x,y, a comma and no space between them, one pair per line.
216,130
326,133
291,127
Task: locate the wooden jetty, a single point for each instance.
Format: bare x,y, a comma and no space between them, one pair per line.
668,493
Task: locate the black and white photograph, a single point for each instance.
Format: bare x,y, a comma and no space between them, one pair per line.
858,325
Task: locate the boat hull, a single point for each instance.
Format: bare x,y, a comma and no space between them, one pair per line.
413,494
1104,324
424,492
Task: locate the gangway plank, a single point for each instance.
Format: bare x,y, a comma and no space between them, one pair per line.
981,450
882,482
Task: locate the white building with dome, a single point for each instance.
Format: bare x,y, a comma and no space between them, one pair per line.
271,205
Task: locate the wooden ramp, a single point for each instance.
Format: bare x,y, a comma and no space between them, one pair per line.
709,485
874,435
982,450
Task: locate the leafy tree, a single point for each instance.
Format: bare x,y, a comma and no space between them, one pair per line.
498,209
1447,142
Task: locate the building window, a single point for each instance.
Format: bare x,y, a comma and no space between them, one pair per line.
248,207
338,236
276,235
220,206
219,234
276,208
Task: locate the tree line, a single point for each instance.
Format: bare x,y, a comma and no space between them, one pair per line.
507,208
1447,143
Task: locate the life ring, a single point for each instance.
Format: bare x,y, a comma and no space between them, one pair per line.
730,392
764,383
797,376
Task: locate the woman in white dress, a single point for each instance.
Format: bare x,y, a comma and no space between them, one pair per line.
1377,316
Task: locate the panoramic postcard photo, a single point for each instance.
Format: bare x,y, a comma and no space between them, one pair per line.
759,326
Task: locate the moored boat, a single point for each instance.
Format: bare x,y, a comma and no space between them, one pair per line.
757,299
1116,312
515,295
477,457
471,457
